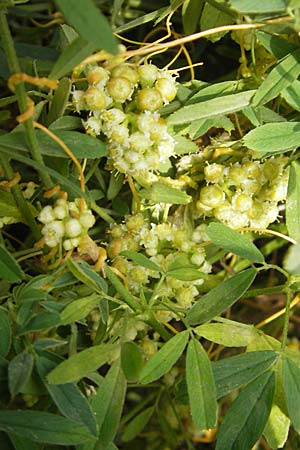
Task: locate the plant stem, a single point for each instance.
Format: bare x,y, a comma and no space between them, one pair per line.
20,200
14,67
286,319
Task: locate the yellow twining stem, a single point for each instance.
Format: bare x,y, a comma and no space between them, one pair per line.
21,77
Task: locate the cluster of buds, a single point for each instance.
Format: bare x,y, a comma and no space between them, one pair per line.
65,223
123,101
247,193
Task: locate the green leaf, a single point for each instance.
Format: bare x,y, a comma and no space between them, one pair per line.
234,242
71,57
291,95
213,17
282,76
84,273
201,386
81,364
248,415
131,360
141,260
200,127
293,201
291,383
121,289
161,193
22,444
258,7
273,138
66,123
191,12
89,23
41,321
291,262
59,101
184,146
277,428
68,398
108,403
137,425
165,358
44,427
232,334
5,333
185,274
19,371
213,107
276,45
79,309
9,268
81,145
236,371
221,297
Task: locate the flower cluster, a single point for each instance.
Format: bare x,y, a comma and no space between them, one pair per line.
246,193
168,246
123,102
65,223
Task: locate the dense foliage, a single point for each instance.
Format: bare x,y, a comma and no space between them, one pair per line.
150,224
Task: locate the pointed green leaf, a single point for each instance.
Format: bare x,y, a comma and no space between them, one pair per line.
5,333
79,309
213,107
89,23
68,398
20,443
108,403
291,382
141,260
9,268
81,364
275,44
258,7
185,274
273,138
293,202
232,334
277,428
19,371
282,76
161,193
201,386
131,360
137,425
40,426
84,273
291,95
236,371
221,297
59,101
165,358
234,242
248,415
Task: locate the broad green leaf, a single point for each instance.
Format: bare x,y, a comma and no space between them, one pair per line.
40,426
165,358
108,403
213,17
161,12
214,107
276,45
84,273
19,371
68,398
8,206
81,364
221,297
66,123
89,23
277,428
137,424
258,7
5,333
262,114
41,321
81,145
79,309
273,138
236,371
234,242
291,382
141,260
201,386
71,57
291,261
293,201
121,289
245,420
233,334
185,274
291,95
200,127
9,268
131,360
59,101
161,193
184,146
207,91
22,444
282,76
191,11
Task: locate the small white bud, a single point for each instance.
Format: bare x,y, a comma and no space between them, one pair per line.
73,228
